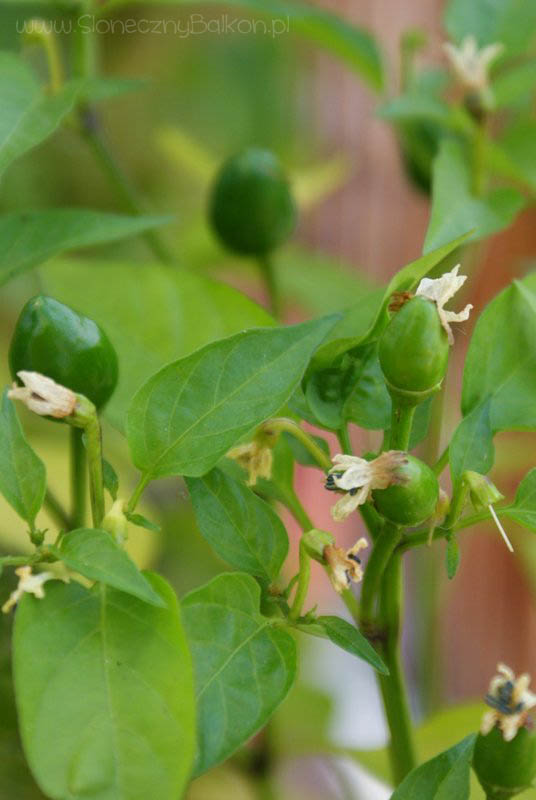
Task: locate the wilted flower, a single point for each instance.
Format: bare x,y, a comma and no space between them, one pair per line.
344,567
256,457
43,396
511,702
28,582
357,478
470,64
483,493
440,290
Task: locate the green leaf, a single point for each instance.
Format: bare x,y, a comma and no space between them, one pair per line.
143,522
96,555
110,479
244,664
243,529
471,447
29,114
365,321
96,90
22,473
30,237
518,144
511,22
444,777
515,85
501,361
347,637
523,509
353,45
105,694
455,210
188,415
152,314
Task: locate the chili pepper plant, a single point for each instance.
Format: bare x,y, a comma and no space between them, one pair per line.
125,690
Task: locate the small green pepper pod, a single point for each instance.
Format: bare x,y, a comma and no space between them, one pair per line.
413,351
505,769
413,495
251,205
52,339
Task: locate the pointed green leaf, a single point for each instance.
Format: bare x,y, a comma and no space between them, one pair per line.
455,210
22,473
244,664
143,522
29,114
471,447
445,777
95,555
28,238
110,479
365,321
511,22
192,311
453,557
105,695
347,636
188,415
523,509
243,529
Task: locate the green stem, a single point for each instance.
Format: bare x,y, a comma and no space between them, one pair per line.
96,479
343,435
297,510
304,576
43,35
479,159
283,424
56,510
401,747
266,265
78,478
85,66
442,461
143,482
384,548
401,423
125,191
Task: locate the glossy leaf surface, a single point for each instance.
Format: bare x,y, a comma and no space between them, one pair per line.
244,665
104,690
243,529
188,415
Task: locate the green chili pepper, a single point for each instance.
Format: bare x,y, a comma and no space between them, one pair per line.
505,769
251,206
413,499
414,350
72,349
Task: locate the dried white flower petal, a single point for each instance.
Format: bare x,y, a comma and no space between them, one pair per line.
43,396
344,567
470,64
256,458
28,582
359,477
440,291
511,702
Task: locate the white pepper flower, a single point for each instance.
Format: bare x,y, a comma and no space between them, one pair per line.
471,65
344,567
28,582
511,702
256,457
43,396
357,478
440,290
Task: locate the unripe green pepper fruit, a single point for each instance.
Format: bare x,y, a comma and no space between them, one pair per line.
251,206
414,350
505,769
53,339
413,499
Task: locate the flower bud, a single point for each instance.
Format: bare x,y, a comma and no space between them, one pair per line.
481,490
